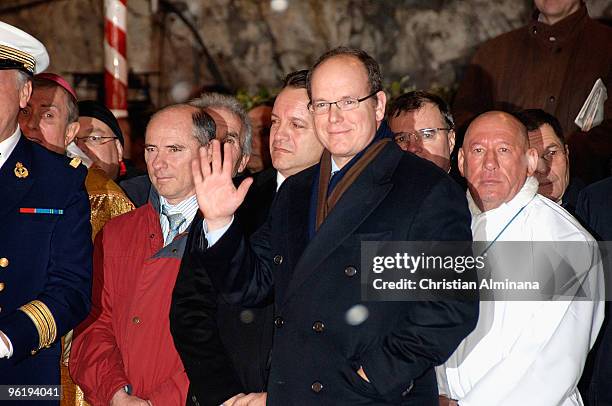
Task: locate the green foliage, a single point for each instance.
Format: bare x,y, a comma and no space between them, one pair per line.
398,87
250,100
404,85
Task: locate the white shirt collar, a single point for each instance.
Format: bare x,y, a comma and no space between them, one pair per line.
334,168
8,145
527,192
488,225
185,207
279,180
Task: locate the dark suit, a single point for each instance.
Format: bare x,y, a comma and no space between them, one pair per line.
137,189
316,353
225,347
570,196
594,210
49,257
256,207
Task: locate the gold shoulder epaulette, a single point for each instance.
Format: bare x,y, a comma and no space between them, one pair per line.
44,322
75,162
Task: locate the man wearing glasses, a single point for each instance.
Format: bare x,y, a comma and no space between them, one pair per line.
100,137
330,347
422,124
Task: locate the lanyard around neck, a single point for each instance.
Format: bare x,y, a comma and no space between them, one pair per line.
505,227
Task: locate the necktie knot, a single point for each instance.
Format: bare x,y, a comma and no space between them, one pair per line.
175,220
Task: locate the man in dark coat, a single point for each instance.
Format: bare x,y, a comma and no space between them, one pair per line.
544,65
329,347
45,243
553,170
223,346
595,212
246,333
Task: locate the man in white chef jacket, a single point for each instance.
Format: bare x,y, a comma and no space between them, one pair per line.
521,352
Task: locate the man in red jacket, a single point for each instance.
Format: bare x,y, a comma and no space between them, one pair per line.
124,352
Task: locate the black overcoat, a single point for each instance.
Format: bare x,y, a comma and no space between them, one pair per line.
316,353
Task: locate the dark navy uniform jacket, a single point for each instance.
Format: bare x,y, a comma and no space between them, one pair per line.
45,257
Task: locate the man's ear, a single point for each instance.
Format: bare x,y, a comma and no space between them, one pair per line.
71,132
243,162
532,161
25,93
381,102
460,161
451,141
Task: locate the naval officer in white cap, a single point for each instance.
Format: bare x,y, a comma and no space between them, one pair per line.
45,235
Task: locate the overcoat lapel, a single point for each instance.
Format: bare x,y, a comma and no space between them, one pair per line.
13,188
357,203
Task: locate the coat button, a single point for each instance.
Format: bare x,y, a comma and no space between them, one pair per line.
350,271
136,320
551,99
4,262
278,259
1,286
278,322
318,326
316,387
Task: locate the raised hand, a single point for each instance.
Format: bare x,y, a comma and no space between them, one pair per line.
217,196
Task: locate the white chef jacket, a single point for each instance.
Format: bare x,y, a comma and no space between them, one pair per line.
526,353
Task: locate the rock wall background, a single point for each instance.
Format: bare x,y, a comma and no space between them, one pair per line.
423,43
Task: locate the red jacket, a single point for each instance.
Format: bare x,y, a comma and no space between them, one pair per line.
126,338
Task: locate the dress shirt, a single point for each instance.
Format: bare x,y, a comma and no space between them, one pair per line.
8,145
188,208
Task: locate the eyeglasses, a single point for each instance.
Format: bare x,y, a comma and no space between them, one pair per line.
95,139
425,134
552,154
349,103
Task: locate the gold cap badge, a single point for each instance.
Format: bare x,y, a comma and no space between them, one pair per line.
21,171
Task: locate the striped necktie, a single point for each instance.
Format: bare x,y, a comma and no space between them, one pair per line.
175,220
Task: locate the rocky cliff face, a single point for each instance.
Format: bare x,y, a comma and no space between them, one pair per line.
251,43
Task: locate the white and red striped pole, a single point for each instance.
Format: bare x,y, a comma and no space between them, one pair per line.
115,56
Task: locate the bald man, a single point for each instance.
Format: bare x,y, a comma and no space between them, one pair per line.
521,352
